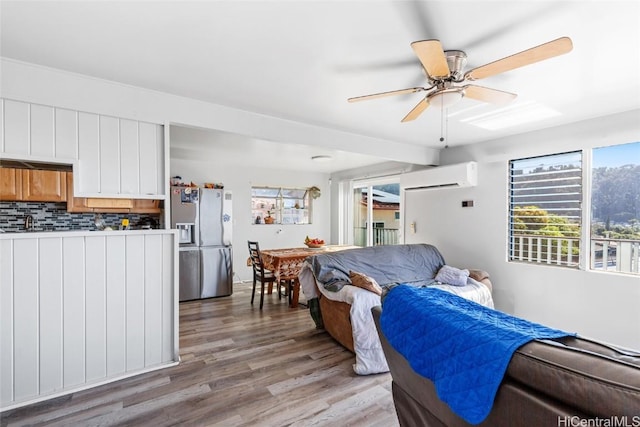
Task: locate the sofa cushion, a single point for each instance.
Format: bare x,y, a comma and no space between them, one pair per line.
589,376
365,282
452,276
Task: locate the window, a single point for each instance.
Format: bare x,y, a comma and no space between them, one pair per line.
377,205
615,208
545,209
280,205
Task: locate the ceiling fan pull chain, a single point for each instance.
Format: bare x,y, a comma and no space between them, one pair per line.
441,122
446,129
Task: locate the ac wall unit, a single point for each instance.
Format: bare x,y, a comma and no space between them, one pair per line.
458,175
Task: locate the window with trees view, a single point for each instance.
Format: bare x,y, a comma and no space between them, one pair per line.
545,209
615,208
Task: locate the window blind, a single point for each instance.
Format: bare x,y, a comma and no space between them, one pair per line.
545,209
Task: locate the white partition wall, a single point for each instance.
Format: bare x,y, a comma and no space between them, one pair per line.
84,308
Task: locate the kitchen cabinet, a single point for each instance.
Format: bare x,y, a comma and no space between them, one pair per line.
10,184
146,206
102,205
129,157
33,131
83,308
44,186
109,155
31,185
88,175
41,134
116,157
119,157
109,205
16,128
151,166
75,204
66,134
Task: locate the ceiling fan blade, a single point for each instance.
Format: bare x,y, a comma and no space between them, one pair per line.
417,110
535,54
383,94
485,94
432,57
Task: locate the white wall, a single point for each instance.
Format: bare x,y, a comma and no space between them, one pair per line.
239,180
593,304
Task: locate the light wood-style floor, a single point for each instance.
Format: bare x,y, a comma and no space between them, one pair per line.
239,367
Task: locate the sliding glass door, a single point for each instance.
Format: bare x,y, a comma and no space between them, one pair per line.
376,212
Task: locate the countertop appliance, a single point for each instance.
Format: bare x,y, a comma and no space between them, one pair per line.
203,219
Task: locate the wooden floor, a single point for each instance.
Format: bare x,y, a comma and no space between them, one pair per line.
239,367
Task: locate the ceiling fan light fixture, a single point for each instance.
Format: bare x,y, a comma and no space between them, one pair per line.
446,98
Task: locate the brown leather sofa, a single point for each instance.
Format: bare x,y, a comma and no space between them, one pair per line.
572,382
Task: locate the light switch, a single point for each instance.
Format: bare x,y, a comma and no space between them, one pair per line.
412,227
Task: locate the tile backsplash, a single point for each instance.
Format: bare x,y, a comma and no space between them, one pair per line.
54,216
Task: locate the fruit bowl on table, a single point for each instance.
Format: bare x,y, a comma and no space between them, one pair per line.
314,245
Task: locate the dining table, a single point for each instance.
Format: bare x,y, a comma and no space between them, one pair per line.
286,264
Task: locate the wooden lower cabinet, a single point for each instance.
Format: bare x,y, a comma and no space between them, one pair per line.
100,205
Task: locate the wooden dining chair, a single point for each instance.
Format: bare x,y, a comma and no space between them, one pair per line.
261,274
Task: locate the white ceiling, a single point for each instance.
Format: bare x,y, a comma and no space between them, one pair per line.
196,144
301,60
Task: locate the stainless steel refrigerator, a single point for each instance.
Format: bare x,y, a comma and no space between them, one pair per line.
203,219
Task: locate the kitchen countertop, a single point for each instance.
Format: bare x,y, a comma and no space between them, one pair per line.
70,233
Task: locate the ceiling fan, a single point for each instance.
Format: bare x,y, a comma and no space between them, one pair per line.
444,70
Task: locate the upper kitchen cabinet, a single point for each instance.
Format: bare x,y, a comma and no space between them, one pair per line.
88,176
38,132
66,133
110,167
129,145
10,184
119,157
15,117
32,185
151,158
44,186
113,157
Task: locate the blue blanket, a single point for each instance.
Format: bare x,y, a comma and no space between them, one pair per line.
463,347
